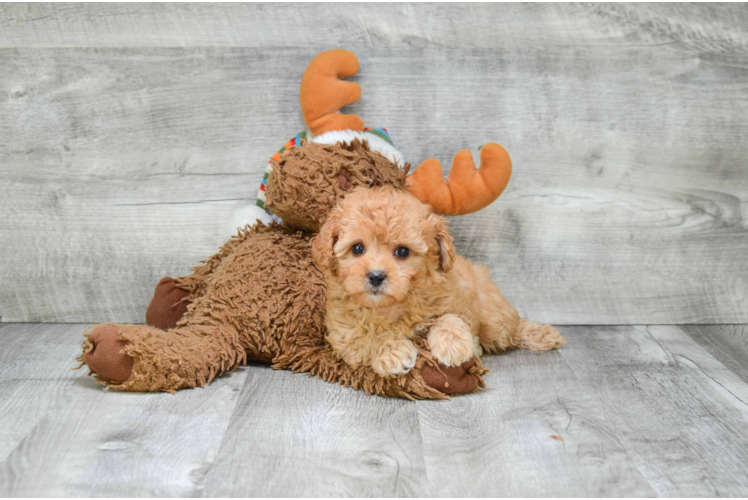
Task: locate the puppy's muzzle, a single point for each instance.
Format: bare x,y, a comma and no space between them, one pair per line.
376,278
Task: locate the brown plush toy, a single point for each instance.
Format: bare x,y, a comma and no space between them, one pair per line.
262,297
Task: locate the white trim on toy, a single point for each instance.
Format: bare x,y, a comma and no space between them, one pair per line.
243,216
375,143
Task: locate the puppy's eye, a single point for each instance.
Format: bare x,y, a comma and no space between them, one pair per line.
358,249
402,252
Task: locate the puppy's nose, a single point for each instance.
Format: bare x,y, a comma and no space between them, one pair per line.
376,278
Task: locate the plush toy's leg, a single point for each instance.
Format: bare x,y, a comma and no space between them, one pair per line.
144,358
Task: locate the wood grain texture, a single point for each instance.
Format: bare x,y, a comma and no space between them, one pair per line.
499,442
641,410
677,410
727,343
128,133
35,368
64,435
461,26
330,441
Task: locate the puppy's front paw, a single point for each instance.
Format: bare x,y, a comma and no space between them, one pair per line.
395,357
451,341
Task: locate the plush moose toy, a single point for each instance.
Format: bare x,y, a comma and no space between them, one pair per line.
262,297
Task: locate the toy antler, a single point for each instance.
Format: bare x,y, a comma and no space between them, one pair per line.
466,189
323,93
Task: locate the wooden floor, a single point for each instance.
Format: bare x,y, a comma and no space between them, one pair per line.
642,410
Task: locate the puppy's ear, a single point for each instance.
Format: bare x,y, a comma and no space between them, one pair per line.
445,243
323,243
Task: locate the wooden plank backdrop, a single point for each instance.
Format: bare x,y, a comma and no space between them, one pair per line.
128,134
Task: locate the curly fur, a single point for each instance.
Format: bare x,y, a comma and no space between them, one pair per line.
430,292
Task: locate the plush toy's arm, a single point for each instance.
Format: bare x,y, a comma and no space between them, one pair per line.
466,189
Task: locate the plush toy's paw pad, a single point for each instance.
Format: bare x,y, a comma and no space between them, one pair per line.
107,357
395,358
451,341
167,305
451,379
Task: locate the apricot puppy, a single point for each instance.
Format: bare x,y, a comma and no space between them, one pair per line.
392,273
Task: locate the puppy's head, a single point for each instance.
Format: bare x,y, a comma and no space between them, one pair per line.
381,243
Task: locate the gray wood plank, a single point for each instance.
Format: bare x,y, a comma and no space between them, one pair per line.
727,343
35,370
304,25
499,441
689,353
92,442
129,133
675,408
642,410
296,436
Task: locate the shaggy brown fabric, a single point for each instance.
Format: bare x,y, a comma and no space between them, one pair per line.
308,180
168,305
260,298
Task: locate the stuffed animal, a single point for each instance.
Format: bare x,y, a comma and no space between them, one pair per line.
262,297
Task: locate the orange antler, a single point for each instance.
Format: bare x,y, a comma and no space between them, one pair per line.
466,189
323,93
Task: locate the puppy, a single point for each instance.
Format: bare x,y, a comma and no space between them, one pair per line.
392,273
